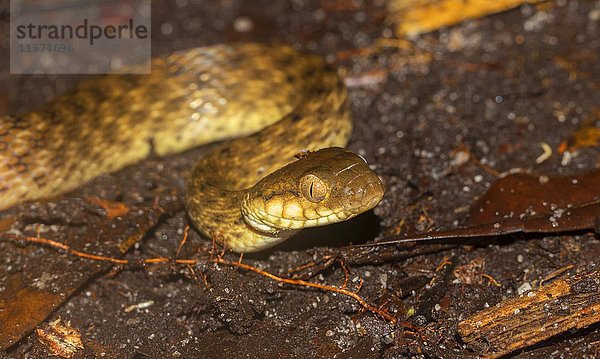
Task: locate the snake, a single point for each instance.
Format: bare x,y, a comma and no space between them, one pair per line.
280,118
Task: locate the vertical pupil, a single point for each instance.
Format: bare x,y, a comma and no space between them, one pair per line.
310,189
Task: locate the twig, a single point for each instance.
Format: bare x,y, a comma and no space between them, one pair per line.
218,259
74,252
304,283
182,243
520,322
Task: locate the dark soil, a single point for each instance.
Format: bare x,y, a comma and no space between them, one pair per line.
496,88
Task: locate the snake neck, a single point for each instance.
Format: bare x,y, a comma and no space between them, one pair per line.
216,213
220,179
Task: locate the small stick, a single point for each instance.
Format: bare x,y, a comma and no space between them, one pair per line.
346,273
219,260
520,322
309,264
182,243
304,283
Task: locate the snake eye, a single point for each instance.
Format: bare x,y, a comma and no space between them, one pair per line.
313,188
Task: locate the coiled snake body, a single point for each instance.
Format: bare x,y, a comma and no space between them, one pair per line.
248,192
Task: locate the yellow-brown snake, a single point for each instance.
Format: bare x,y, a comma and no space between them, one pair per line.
249,192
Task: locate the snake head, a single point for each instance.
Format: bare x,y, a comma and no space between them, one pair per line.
326,186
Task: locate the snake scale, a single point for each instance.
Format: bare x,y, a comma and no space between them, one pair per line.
269,103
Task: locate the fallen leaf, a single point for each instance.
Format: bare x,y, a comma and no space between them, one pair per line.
37,282
523,195
113,209
61,339
525,203
422,16
588,134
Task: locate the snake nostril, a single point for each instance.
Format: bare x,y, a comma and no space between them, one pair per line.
349,192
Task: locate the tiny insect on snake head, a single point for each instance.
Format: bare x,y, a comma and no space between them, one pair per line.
326,186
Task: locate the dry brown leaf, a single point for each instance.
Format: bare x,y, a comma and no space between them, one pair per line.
415,17
588,134
61,339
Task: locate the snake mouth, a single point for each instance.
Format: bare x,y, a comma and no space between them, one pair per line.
270,223
265,221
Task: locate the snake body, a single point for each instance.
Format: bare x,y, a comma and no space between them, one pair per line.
248,192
